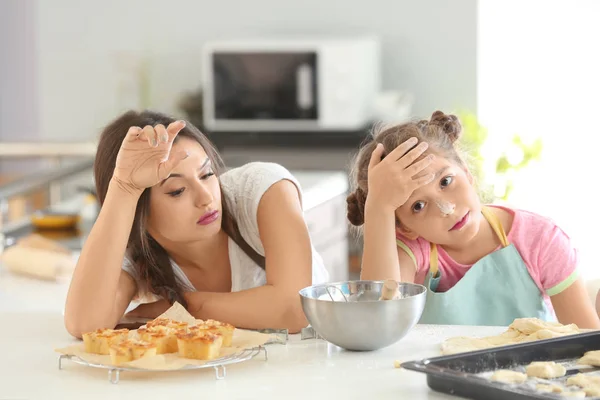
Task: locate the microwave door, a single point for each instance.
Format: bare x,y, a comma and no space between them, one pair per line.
265,86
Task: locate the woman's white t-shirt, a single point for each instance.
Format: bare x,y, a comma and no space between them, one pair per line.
243,187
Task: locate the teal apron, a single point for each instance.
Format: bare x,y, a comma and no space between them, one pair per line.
495,290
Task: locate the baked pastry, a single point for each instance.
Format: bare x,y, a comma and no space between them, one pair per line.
165,341
199,345
166,323
99,341
130,350
216,327
162,332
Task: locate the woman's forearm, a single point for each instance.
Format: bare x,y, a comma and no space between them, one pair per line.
93,293
380,256
257,308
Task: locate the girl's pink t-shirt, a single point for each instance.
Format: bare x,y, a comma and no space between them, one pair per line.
547,251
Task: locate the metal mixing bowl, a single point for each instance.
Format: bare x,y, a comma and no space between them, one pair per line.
350,314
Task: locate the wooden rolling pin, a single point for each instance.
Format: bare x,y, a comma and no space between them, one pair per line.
390,290
37,263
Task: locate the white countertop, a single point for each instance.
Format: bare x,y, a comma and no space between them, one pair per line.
299,370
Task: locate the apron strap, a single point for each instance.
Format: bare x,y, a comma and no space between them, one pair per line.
494,222
433,260
496,225
407,250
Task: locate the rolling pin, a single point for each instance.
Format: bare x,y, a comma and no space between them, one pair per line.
389,290
38,263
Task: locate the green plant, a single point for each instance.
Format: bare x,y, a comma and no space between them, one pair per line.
493,165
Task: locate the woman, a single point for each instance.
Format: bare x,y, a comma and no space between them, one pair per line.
230,246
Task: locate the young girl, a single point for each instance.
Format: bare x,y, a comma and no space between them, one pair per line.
424,223
231,246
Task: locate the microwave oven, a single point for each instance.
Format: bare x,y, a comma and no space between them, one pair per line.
290,84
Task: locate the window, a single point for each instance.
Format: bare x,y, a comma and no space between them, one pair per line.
539,76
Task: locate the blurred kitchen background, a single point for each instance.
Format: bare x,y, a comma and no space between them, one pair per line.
522,76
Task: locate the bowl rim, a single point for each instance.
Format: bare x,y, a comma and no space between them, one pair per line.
423,292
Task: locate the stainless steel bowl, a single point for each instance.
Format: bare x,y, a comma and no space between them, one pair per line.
350,314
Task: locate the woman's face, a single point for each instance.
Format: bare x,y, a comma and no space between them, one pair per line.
186,206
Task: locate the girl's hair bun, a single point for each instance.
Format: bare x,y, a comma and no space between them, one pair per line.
448,123
356,205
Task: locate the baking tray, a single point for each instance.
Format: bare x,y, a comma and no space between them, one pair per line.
467,374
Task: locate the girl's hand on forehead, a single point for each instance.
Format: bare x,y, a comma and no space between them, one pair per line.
145,156
393,179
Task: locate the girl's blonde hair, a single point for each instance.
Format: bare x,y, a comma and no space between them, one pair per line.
441,133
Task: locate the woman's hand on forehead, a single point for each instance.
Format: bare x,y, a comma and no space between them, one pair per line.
145,157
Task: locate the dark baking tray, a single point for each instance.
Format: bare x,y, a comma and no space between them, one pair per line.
457,374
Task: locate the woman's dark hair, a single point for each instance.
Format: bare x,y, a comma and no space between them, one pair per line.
150,260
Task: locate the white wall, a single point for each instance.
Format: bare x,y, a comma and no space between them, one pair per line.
19,111
429,49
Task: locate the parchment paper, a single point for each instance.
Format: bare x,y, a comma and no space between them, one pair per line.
242,340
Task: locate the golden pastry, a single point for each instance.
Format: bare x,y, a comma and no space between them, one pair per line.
199,345
216,327
130,350
99,341
165,341
161,324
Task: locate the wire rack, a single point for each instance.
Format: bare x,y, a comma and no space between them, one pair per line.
219,364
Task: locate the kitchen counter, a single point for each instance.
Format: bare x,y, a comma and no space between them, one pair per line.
300,369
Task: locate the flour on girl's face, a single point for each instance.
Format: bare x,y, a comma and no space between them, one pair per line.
447,208
440,202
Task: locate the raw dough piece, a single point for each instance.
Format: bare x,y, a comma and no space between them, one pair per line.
544,334
532,325
582,380
590,358
549,388
592,391
545,369
521,330
461,344
510,336
397,364
590,384
508,376
578,394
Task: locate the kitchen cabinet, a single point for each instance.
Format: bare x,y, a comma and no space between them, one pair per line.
329,233
324,202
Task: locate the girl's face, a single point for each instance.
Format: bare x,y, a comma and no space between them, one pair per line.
447,211
186,206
